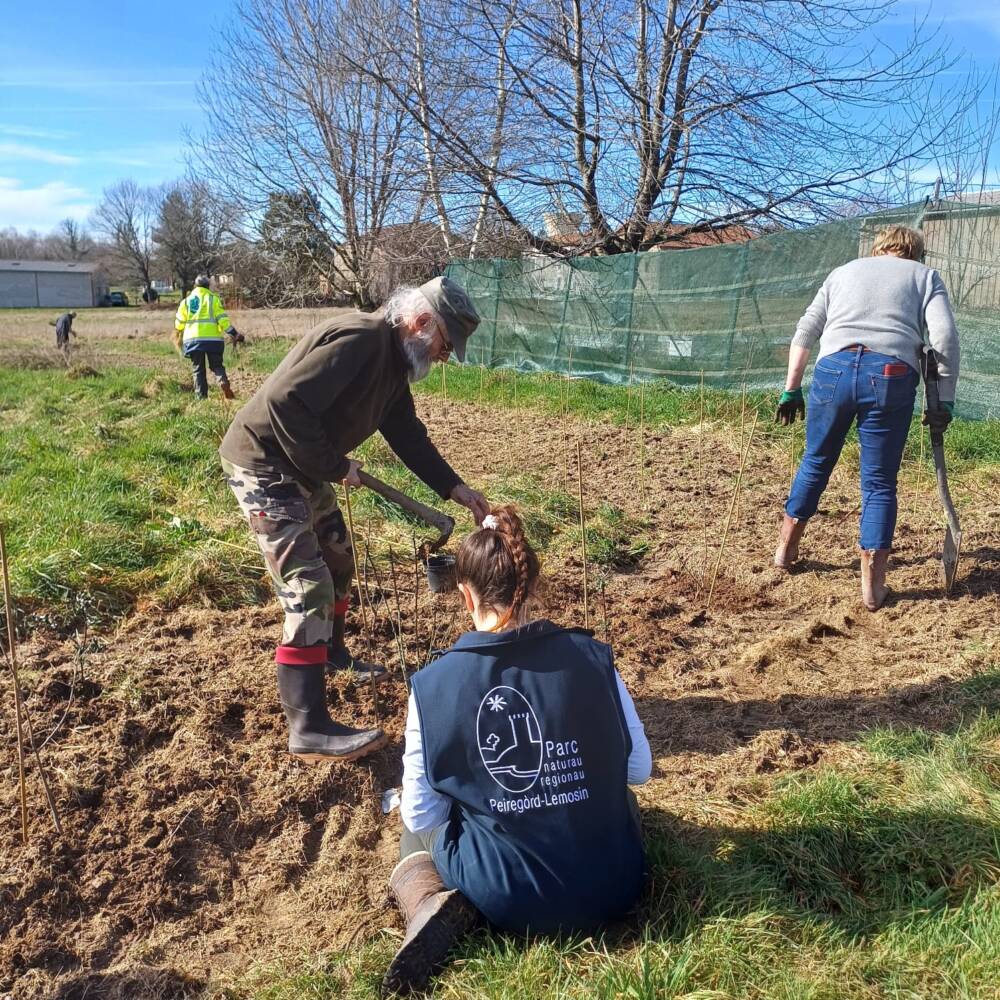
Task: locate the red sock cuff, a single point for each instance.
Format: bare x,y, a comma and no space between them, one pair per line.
301,656
340,607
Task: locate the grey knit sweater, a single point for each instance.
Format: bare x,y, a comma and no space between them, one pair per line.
885,304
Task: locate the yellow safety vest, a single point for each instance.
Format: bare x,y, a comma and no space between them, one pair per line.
202,319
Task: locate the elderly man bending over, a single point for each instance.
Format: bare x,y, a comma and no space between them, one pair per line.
344,380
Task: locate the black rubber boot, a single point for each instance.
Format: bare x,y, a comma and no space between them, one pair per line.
435,917
312,735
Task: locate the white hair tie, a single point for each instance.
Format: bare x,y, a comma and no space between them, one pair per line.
491,522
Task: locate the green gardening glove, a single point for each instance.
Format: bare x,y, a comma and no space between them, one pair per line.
938,420
790,404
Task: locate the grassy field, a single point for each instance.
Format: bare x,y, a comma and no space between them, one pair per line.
874,874
114,496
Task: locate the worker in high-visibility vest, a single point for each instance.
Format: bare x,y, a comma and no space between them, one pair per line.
202,325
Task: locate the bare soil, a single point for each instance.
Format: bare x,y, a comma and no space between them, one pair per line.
195,847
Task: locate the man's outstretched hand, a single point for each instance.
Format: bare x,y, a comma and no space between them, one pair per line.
472,499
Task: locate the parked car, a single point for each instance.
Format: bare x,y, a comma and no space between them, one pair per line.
118,299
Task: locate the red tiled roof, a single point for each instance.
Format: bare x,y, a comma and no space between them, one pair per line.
734,233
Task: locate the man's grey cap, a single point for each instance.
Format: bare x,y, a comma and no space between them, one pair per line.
451,302
202,281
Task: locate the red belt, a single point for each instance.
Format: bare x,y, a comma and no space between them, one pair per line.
855,347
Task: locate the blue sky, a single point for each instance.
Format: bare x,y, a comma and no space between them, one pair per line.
93,92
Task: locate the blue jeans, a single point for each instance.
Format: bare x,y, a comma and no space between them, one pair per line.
849,385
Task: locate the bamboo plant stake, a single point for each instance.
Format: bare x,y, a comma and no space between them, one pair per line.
416,598
399,619
642,443
569,380
583,536
19,702
701,477
743,423
17,694
361,600
628,396
918,479
732,505
388,612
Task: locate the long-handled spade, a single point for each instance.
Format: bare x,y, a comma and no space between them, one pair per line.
444,524
953,533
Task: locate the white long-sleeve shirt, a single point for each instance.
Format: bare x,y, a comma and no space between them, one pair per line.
422,808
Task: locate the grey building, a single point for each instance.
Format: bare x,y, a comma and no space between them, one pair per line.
51,284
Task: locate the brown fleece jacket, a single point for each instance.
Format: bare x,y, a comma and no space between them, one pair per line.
344,380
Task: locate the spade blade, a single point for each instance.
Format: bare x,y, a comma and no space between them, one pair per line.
949,556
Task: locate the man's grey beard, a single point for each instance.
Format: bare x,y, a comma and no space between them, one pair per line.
417,349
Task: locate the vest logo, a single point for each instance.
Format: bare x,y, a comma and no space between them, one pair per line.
194,303
510,739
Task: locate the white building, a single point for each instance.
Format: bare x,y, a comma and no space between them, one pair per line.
52,284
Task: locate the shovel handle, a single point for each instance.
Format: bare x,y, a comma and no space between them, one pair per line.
931,393
444,524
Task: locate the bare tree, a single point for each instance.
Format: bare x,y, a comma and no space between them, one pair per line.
636,113
127,217
15,245
191,228
75,242
288,114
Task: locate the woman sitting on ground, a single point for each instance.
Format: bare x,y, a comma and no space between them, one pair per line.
869,318
521,742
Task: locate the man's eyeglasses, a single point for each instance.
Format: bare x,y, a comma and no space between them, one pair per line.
444,337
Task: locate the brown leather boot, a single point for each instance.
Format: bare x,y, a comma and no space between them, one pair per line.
227,390
435,919
787,552
873,588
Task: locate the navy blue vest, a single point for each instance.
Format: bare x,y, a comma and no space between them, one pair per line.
524,731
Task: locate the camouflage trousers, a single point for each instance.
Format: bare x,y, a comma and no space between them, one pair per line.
306,546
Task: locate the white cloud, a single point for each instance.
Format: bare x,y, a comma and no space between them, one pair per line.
148,155
21,151
41,207
25,132
83,79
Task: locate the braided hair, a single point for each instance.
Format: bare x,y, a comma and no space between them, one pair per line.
500,565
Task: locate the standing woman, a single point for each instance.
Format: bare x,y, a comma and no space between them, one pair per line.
870,318
521,742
